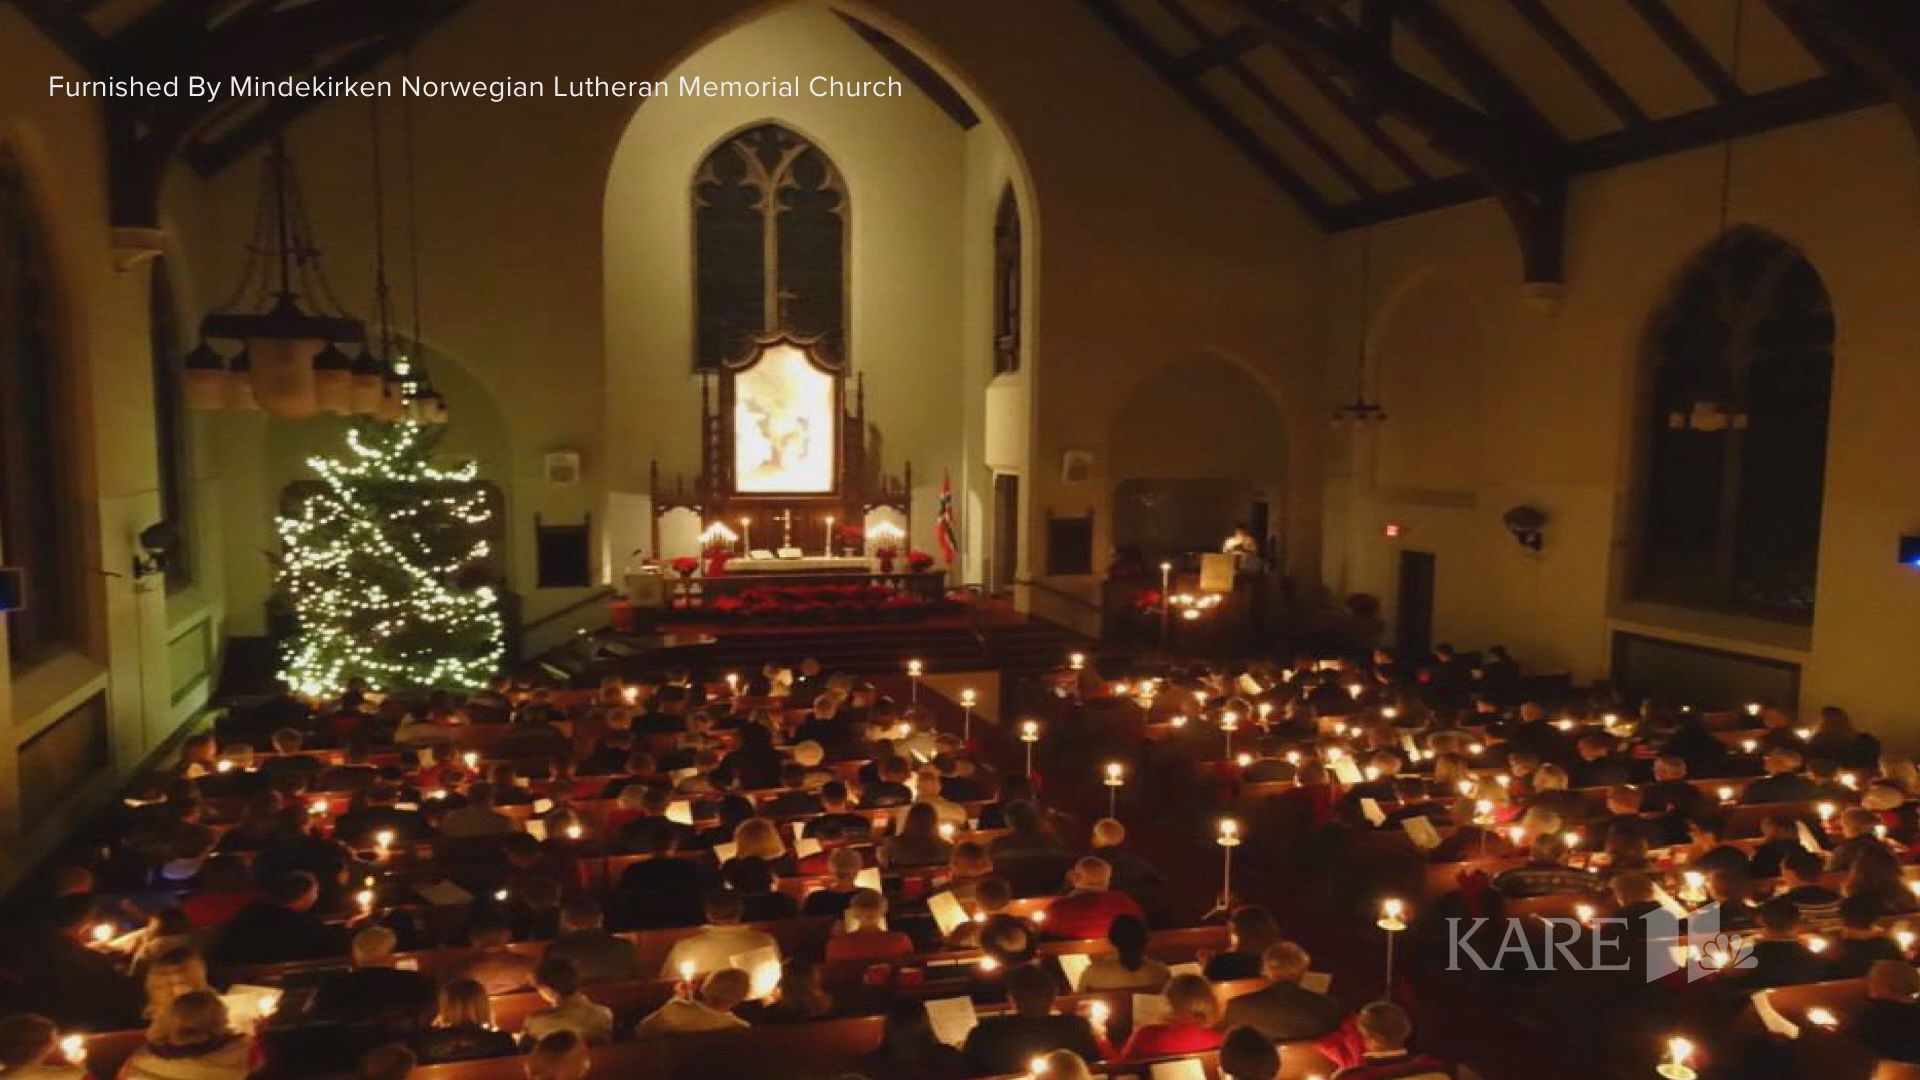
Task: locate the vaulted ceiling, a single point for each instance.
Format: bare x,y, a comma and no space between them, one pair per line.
1360,111
1366,110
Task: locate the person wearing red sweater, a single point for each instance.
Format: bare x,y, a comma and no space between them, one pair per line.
1188,1028
865,936
1090,909
1384,1030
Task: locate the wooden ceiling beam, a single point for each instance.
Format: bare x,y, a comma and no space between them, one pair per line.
71,33
1356,115
1881,36
1250,145
1472,68
1231,45
1524,171
1576,56
1681,41
1272,102
1829,56
1755,114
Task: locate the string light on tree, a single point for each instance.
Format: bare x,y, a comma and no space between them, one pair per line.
377,564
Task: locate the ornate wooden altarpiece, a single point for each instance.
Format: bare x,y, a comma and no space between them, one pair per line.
784,445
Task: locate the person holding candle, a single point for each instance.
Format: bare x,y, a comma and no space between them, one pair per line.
1090,909
192,1040
1193,1010
463,1028
1863,942
27,1043
719,941
1251,931
1129,968
711,1009
864,935
569,1008
1384,1030
280,928
1001,1045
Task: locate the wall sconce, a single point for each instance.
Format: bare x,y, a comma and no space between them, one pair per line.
153,542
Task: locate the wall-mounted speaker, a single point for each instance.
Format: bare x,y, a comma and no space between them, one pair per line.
1910,550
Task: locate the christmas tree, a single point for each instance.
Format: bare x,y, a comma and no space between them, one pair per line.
381,565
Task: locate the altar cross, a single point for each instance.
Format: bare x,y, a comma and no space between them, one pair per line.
786,527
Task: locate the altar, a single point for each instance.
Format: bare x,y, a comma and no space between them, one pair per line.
789,465
805,564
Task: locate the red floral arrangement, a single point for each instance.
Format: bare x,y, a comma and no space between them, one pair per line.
717,562
821,603
919,561
852,534
886,551
685,565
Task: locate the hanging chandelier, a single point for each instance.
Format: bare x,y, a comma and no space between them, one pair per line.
290,362
1362,410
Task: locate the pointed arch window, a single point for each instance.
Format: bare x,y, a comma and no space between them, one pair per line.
1006,284
37,531
1736,435
770,237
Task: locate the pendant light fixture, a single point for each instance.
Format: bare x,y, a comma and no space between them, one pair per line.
1362,410
377,387
424,404
290,360
1717,414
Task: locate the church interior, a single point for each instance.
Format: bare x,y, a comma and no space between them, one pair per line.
1207,539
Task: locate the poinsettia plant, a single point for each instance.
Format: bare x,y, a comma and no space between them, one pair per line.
886,551
919,561
685,565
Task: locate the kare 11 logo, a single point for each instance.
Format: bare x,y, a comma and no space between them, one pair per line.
1668,942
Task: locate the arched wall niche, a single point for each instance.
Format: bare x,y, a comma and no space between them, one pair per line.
1197,443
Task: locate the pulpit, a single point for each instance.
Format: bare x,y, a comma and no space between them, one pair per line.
785,464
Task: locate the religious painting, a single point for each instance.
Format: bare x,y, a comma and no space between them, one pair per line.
784,430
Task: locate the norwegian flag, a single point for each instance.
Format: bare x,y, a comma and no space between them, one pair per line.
943,529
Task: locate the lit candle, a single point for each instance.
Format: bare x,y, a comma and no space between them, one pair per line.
500,895
472,760
1371,772
914,668
1243,759
1816,944
1266,710
1819,1016
1229,832
1826,810
74,1049
1904,938
1293,758
1392,912
382,841
1038,918
1726,793
629,694
746,531
946,830
1077,661
827,548
1679,1053
1354,690
223,765
733,683
1099,1012
686,971
1029,731
1852,780
102,933
317,807
1036,1066
1483,810
1113,774
1571,839
1389,713
575,832
365,899
1467,788
1584,912
1803,734
988,963
1516,834
1179,720
1563,724
1748,746
1753,708
1880,831
1476,749
1503,780
967,698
